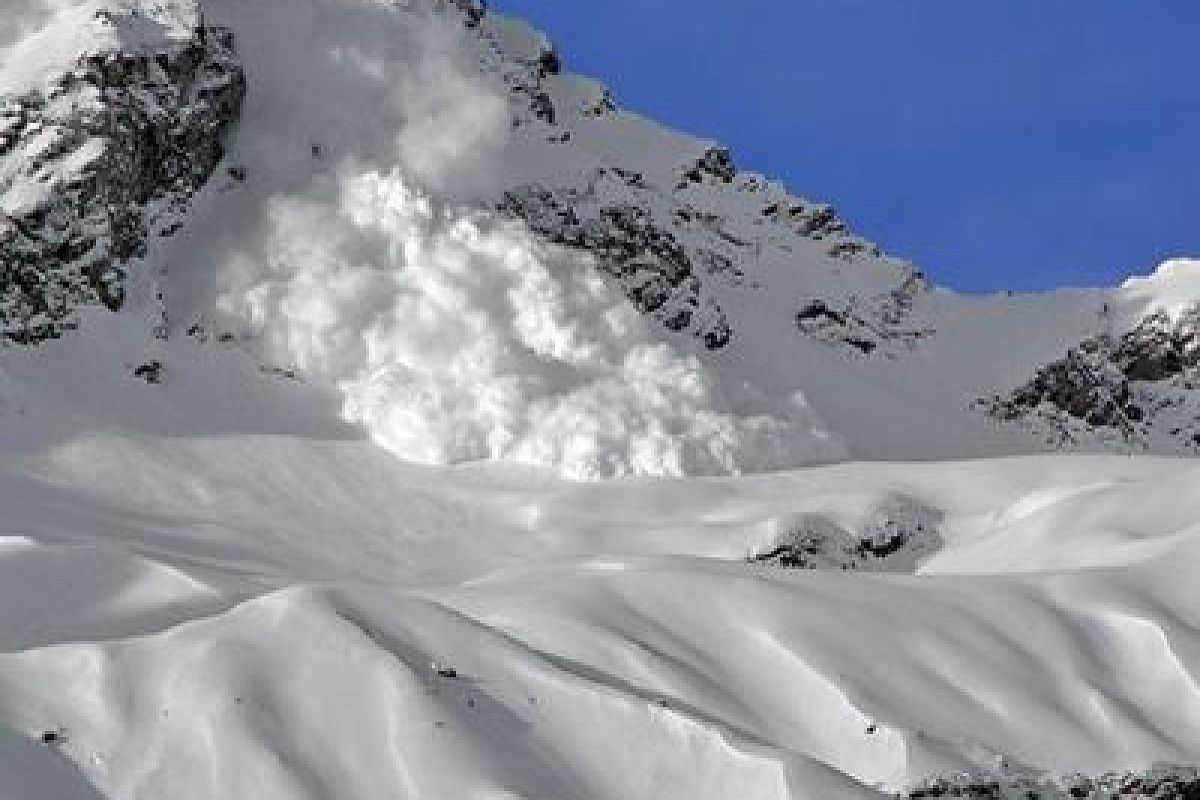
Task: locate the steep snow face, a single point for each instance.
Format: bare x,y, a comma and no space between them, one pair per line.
422,209
453,334
784,329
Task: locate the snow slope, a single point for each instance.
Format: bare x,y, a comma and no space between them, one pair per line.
298,521
420,207
313,255
213,613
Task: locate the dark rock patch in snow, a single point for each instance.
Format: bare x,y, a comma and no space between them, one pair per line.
881,325
1159,783
895,537
1122,388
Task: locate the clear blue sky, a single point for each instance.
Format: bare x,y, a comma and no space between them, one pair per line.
999,144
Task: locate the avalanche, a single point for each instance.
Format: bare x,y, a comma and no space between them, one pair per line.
408,467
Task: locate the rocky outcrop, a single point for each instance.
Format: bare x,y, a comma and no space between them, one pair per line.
880,325
1125,386
679,241
895,538
1159,783
98,164
646,259
715,163
473,11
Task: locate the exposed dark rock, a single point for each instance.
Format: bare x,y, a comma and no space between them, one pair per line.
473,10
648,262
542,106
865,330
549,62
1159,783
150,372
1119,384
894,538
715,162
149,128
602,107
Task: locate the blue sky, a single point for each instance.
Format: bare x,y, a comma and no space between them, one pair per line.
1000,144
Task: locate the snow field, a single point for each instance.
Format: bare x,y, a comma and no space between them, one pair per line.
286,625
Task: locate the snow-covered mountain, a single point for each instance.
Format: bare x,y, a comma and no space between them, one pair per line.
315,311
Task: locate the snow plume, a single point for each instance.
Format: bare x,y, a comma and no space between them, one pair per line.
1172,288
455,335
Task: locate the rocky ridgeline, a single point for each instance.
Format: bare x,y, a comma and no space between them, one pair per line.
668,243
818,222
1127,388
112,153
895,538
1159,783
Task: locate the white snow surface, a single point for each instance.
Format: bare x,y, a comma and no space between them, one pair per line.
208,592
222,586
1171,288
42,39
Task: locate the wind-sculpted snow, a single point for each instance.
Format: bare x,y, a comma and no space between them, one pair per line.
457,336
316,619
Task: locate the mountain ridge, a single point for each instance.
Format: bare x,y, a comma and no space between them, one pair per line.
712,254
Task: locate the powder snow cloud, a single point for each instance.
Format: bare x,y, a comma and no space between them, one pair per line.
454,334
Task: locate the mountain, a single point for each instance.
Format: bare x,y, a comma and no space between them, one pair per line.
325,323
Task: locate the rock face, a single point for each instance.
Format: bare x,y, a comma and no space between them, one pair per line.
101,162
673,221
1128,387
655,271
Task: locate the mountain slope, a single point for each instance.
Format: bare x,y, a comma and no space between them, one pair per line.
295,518
454,139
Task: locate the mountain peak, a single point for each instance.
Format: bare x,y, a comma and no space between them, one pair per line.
419,199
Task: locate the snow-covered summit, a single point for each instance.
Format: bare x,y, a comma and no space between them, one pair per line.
1173,288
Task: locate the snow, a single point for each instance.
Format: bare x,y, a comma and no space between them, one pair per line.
274,608
33,770
42,39
341,551
452,334
1172,288
455,337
